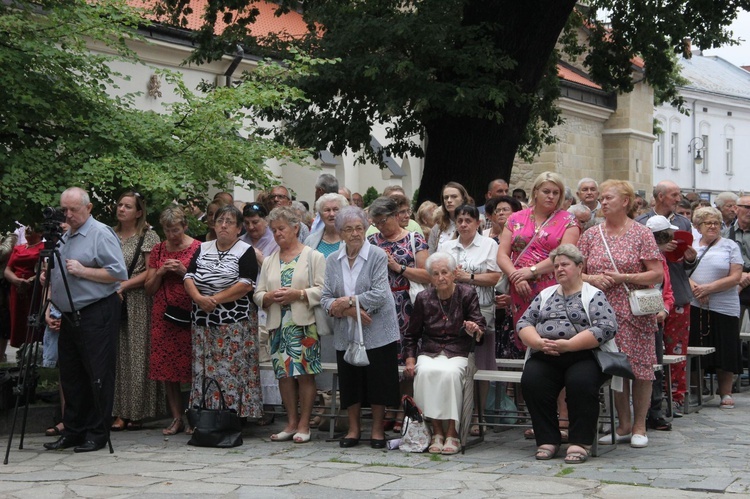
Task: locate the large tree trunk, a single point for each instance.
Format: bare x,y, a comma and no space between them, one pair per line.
474,151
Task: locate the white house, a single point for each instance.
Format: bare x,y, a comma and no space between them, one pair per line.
705,150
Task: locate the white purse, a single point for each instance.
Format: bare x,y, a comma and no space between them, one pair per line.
355,353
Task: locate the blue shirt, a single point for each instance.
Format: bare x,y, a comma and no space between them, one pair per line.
94,245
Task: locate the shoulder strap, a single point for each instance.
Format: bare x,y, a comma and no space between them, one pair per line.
536,233
606,246
131,268
698,260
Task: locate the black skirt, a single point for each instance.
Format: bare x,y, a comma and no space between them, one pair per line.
376,384
713,329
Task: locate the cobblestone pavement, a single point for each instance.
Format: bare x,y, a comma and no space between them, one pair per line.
705,455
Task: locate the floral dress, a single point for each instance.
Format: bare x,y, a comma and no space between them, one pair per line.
522,227
635,335
295,350
403,254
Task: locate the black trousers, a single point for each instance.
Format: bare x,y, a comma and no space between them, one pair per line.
544,377
87,359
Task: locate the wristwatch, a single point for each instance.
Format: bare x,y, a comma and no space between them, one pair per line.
351,302
472,277
403,269
533,270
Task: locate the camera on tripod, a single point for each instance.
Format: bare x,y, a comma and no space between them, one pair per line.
52,224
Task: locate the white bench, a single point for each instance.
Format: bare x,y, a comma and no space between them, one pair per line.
696,353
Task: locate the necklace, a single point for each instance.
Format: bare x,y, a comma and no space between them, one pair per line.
619,233
537,228
221,253
450,303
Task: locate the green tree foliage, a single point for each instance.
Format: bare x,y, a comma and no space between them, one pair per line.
62,125
476,78
371,194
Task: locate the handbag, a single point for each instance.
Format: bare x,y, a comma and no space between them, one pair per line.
174,314
414,287
614,363
323,322
355,353
648,301
415,434
214,427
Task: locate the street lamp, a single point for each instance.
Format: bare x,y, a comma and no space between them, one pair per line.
697,145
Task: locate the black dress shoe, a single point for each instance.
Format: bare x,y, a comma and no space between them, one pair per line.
348,442
63,443
88,446
377,443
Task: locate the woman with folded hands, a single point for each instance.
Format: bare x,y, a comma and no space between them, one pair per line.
447,320
561,327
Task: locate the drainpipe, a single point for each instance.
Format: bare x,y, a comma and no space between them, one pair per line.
692,162
238,54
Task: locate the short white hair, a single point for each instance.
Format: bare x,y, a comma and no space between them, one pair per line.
440,256
723,197
586,180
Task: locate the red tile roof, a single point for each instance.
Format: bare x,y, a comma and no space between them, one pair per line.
290,24
571,76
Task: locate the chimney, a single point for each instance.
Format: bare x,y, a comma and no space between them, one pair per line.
687,48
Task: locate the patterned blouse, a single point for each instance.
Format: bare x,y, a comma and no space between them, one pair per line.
214,271
562,317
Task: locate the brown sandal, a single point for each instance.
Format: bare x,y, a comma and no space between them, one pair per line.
119,425
176,427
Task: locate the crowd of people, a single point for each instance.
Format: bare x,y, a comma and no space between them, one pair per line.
428,292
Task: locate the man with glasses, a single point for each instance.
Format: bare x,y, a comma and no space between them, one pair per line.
726,202
279,196
675,322
496,188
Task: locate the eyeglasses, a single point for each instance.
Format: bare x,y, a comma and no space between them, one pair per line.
711,224
378,223
351,230
406,212
225,221
278,196
500,211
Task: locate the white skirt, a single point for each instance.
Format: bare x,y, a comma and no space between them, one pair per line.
438,386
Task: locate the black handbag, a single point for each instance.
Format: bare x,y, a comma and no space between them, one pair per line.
614,363
131,268
178,316
214,427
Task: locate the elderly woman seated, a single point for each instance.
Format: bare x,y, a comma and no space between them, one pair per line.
561,327
447,320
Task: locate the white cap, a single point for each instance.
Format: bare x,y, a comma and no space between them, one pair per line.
658,223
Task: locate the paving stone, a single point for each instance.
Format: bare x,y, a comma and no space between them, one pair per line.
201,488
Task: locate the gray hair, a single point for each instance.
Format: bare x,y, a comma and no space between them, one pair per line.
569,250
578,208
586,180
701,214
331,196
171,216
383,206
440,256
232,211
722,198
327,183
80,193
348,213
569,195
285,213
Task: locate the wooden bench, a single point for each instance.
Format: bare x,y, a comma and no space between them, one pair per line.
696,353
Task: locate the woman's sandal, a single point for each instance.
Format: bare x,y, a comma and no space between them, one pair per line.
397,426
173,429
577,457
54,431
118,425
474,431
727,402
545,454
528,434
452,446
436,444
134,425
